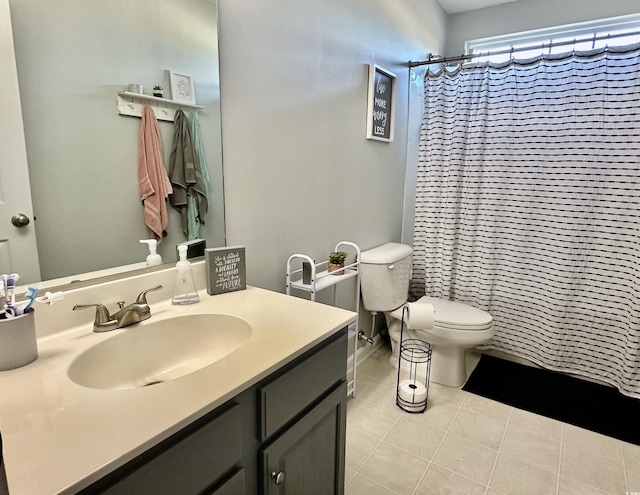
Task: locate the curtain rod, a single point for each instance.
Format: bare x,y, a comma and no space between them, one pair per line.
436,59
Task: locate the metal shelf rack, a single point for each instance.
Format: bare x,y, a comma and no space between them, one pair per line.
322,279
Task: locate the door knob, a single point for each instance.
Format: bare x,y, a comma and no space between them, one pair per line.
278,477
20,220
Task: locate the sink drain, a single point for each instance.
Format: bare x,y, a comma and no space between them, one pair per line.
155,382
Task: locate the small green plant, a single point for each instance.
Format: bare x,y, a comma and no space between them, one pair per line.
337,257
157,88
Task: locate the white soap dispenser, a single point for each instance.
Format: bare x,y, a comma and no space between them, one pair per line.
154,258
185,291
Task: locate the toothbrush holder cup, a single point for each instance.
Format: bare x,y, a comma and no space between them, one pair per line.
18,344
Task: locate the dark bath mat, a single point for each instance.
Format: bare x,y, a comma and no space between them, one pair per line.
555,395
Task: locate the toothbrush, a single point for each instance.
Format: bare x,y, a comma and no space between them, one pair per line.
31,294
3,289
3,307
10,296
3,298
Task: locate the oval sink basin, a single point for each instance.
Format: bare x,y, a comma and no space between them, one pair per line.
159,351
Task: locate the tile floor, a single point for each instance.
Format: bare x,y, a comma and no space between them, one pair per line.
466,444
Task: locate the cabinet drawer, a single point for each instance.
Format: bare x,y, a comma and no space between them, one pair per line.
186,463
287,396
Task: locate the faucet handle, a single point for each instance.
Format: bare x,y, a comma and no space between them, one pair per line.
142,297
103,321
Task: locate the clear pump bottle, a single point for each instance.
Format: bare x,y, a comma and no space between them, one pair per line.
185,291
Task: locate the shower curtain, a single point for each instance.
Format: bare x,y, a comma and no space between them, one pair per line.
528,206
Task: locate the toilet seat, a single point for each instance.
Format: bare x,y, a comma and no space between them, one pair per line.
453,316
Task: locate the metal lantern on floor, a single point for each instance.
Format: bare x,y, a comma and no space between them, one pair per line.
414,364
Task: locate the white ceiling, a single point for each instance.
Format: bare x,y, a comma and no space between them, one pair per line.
455,6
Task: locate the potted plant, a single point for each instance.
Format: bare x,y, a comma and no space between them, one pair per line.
336,262
158,91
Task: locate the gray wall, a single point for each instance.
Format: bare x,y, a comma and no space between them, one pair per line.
299,173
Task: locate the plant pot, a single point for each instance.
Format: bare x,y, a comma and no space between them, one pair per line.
336,269
159,94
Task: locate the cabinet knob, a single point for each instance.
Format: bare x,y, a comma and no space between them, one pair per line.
278,477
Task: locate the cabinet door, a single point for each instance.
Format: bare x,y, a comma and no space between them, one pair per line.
234,486
309,456
18,251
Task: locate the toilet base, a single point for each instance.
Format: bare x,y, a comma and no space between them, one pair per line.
448,362
448,365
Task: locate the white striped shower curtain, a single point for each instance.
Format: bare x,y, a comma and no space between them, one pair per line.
528,206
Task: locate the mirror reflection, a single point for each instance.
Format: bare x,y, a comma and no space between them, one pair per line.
72,58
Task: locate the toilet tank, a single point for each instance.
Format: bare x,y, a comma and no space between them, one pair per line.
385,275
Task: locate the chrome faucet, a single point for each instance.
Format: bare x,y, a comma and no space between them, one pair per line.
127,315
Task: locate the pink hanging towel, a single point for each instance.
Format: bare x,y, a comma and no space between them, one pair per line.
153,181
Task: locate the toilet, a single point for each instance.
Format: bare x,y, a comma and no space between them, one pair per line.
385,276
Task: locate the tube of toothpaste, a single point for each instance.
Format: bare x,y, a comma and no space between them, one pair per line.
50,297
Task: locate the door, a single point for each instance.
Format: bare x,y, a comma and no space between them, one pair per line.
18,250
309,456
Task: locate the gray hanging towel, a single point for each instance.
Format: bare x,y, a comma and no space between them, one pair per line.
189,189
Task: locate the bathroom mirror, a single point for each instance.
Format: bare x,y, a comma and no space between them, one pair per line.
73,57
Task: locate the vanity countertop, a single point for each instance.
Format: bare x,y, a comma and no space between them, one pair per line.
59,437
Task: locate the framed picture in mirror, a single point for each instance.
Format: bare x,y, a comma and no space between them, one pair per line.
182,88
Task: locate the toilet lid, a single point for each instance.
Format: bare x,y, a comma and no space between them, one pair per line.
454,315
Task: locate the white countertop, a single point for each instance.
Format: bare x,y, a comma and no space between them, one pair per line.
59,437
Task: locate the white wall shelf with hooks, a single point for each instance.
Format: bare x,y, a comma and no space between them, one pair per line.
165,109
320,278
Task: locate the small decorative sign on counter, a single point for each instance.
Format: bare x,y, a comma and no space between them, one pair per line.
226,269
381,105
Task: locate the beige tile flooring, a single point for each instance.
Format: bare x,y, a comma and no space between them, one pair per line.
466,444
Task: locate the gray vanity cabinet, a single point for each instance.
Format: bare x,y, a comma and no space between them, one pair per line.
303,420
283,435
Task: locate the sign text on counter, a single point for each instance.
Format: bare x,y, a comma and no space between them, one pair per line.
226,269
